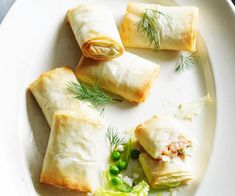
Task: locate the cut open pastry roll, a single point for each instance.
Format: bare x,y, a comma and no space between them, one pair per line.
160,27
163,175
163,137
129,75
95,31
76,155
50,91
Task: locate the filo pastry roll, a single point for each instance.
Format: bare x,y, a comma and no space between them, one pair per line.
172,28
95,31
77,152
164,137
129,75
163,175
50,91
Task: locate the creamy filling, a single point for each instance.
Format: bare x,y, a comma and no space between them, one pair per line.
177,148
102,49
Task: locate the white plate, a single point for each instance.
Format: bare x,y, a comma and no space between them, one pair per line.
35,37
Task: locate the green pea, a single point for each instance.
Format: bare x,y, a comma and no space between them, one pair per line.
113,169
116,155
135,154
115,180
121,165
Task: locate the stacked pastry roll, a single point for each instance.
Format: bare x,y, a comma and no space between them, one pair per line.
160,27
50,91
95,31
75,155
129,75
167,157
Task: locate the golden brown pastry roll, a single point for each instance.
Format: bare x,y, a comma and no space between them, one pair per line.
95,31
129,75
76,154
160,27
50,91
164,137
163,174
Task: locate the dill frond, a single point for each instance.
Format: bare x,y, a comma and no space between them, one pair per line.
94,95
185,62
114,138
148,25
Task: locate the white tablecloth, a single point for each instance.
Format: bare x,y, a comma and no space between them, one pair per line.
4,7
6,4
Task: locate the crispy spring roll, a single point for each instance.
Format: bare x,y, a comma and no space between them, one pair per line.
76,153
50,91
163,137
129,75
163,175
160,27
95,31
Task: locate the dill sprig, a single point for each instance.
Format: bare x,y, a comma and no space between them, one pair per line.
115,139
185,62
148,25
94,95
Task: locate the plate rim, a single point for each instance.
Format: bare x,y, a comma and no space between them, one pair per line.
8,18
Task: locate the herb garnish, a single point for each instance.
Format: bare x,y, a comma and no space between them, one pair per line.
148,25
185,62
94,95
114,138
